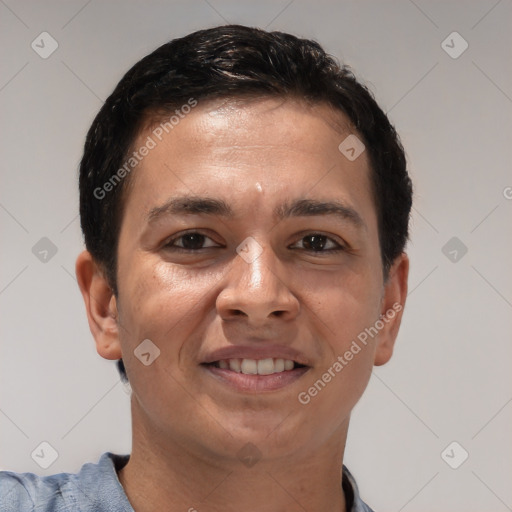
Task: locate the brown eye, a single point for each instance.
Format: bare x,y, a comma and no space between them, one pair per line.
314,242
192,241
319,243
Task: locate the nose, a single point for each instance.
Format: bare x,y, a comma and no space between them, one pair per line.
256,290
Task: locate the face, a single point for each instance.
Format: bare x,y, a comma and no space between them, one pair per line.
249,257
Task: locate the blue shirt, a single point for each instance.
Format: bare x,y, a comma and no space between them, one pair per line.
96,488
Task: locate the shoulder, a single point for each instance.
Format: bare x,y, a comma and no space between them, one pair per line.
27,491
94,488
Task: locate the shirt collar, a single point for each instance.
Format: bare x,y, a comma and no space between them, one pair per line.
100,486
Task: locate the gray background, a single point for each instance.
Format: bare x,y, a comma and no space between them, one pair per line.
450,377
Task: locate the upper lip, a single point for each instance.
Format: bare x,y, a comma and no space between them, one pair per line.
263,351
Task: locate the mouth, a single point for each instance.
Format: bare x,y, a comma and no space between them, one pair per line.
256,375
267,366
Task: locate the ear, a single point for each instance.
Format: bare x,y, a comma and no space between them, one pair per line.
392,307
100,304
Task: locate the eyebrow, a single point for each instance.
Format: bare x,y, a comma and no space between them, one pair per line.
313,207
191,205
194,205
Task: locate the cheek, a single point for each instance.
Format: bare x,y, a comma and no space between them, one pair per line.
161,304
164,304
345,303
344,307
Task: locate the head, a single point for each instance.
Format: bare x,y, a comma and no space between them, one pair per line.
233,136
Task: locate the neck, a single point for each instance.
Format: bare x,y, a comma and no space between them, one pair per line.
166,475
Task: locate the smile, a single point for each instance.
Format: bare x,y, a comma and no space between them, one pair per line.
256,374
257,366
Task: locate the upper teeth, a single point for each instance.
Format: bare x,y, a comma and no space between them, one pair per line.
257,366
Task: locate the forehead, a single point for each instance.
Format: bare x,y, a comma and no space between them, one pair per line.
238,149
237,122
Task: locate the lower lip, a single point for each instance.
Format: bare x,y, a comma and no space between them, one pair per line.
256,383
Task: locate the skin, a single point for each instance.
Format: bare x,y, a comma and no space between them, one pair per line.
187,426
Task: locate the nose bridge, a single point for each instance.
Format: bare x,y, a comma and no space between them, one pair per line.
256,286
257,270
260,275
253,262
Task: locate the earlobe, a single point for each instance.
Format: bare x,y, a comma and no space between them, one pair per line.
392,306
100,305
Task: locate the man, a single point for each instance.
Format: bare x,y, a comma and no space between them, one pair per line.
245,207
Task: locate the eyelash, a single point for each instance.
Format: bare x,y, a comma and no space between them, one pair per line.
169,244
